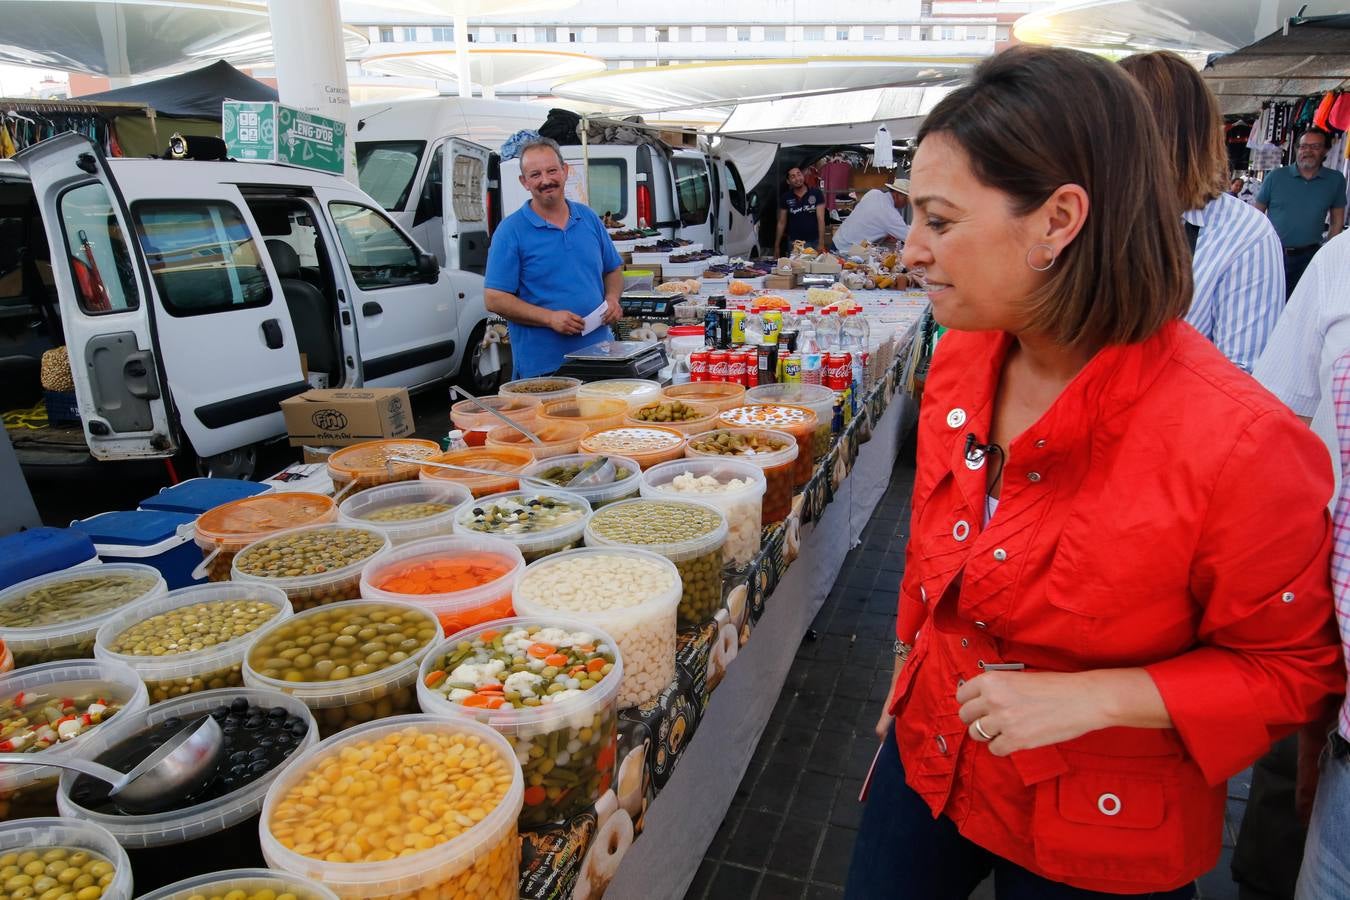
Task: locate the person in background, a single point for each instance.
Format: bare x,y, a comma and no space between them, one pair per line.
551,264
801,214
876,218
1299,198
1115,588
1236,262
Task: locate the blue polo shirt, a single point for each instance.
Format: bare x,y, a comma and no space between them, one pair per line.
552,267
1298,206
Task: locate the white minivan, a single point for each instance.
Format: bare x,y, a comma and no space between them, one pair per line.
186,292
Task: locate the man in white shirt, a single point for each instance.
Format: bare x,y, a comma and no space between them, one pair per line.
876,217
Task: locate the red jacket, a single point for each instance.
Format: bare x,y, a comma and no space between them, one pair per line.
1165,512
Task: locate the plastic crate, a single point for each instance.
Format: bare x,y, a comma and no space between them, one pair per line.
62,408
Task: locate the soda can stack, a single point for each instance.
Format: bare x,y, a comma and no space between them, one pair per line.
750,360
735,367
698,365
839,378
719,363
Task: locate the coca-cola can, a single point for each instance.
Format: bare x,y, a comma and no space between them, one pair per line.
736,367
751,356
838,371
719,363
698,365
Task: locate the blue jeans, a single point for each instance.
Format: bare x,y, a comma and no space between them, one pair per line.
903,853
1326,856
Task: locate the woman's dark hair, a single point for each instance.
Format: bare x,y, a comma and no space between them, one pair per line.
1033,119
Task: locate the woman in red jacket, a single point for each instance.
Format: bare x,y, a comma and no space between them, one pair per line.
1116,587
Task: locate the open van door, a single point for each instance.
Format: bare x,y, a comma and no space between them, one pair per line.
466,206
101,280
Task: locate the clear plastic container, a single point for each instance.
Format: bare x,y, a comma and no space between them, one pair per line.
742,505
646,445
593,412
797,421
775,452
619,481
632,595
558,438
722,394
815,397
50,833
705,416
343,702
482,863
632,391
367,464
174,674
224,531
340,581
6,659
566,748
468,416
506,459
533,539
406,512
541,389
249,881
30,790
487,568
689,533
56,616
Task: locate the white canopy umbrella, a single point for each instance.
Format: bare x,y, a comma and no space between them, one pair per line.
845,118
489,68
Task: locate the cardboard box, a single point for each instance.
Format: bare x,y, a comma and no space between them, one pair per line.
779,282
827,266
339,417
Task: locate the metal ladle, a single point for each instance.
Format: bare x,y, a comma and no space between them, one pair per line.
179,766
495,473
487,409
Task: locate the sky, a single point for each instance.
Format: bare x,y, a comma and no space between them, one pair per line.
17,81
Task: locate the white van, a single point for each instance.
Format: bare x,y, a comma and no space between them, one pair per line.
187,291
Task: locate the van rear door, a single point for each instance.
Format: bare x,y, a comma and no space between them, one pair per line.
465,205
105,312
694,196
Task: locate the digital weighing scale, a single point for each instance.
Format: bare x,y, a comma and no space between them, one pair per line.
649,304
615,359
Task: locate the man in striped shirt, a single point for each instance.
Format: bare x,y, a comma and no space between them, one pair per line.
1237,263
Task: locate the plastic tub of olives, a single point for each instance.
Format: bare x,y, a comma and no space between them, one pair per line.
617,481
314,565
67,844
406,512
537,522
688,533
243,884
193,639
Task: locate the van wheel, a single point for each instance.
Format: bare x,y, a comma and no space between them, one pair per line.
240,463
471,378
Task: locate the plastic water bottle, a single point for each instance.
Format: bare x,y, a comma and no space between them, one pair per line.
809,349
754,328
454,441
828,331
853,340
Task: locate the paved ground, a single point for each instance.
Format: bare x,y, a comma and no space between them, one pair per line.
789,833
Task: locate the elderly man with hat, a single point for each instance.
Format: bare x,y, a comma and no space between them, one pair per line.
876,218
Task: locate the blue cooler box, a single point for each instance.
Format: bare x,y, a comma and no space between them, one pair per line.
197,495
40,551
147,536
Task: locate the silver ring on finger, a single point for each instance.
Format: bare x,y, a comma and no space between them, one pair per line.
984,734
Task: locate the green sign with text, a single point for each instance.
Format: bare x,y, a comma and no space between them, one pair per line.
270,132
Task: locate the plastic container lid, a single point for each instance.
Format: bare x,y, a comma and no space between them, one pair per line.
509,460
685,331
202,819
542,389
295,585
723,394
528,541
532,597
559,437
422,870
633,391
200,662
593,412
123,532
112,680
469,416
39,834
247,880
452,606
356,510
39,551
197,495
62,631
676,551
705,421
646,445
815,397
624,481
369,460
233,526
764,460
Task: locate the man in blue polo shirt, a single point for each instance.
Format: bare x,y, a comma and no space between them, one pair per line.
1298,198
550,265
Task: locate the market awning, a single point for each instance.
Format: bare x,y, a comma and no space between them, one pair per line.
195,94
846,118
1314,57
489,67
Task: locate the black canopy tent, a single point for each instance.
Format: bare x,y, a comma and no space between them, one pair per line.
1310,56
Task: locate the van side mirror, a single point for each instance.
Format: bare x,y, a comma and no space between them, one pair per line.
428,268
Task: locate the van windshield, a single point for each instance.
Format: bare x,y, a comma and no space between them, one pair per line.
386,170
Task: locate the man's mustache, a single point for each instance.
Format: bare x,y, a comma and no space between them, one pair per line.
546,187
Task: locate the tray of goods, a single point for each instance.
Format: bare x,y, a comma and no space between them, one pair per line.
537,523
689,265
632,595
54,859
541,390
615,480
225,530
243,884
736,488
690,534
774,452
686,416
558,437
815,397
593,412
315,565
350,663
428,808
462,580
405,512
722,394
470,417
751,282
53,711
633,391
56,616
548,685
263,733
797,421
507,460
193,639
365,465
646,445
